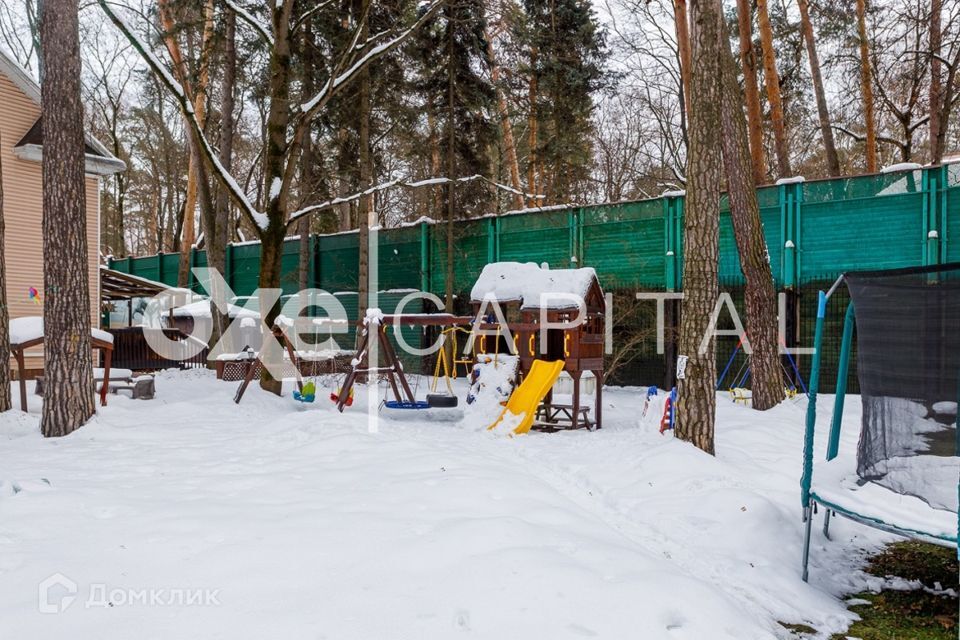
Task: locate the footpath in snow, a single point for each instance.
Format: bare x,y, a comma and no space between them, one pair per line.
292,521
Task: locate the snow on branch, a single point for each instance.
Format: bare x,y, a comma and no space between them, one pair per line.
416,184
334,83
320,6
247,17
236,192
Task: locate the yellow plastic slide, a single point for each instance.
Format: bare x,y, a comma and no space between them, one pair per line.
526,398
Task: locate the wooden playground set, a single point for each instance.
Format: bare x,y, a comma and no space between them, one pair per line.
556,325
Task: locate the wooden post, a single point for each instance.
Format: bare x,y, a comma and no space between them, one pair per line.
21,373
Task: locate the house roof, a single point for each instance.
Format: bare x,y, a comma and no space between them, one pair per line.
99,161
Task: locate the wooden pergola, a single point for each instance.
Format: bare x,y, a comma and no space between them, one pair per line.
117,285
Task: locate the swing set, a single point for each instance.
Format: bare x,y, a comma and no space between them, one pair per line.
738,382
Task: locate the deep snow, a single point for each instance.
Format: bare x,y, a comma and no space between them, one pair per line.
310,526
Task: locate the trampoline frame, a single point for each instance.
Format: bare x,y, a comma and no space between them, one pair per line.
809,498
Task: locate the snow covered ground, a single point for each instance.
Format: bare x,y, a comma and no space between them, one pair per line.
199,518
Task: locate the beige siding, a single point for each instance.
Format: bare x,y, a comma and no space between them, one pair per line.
23,207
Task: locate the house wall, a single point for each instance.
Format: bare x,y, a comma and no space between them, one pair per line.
23,214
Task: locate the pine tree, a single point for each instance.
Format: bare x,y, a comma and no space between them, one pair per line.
696,405
68,359
566,69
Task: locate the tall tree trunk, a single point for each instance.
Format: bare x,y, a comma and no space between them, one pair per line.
532,135
274,168
5,402
451,163
199,99
365,213
68,360
696,406
308,170
937,130
866,87
681,23
434,142
509,146
748,61
772,82
216,228
760,296
826,131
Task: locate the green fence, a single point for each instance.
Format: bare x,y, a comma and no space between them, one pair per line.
812,228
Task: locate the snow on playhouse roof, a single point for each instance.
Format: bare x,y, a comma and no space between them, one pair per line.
30,328
526,283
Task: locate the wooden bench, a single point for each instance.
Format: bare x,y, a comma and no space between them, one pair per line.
141,387
552,415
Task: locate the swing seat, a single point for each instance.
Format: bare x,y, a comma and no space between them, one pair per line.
304,397
442,400
403,404
739,394
335,397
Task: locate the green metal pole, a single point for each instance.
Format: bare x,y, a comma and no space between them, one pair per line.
424,256
807,478
833,446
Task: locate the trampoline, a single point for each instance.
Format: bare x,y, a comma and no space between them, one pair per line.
907,475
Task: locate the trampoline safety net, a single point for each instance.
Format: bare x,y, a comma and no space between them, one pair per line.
908,363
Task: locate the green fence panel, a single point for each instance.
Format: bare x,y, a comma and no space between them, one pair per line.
244,268
539,238
951,239
339,257
769,200
625,243
399,265
866,222
472,243
730,270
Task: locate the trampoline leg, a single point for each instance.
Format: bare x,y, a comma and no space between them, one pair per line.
826,524
808,512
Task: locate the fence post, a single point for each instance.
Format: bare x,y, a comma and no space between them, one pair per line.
934,214
672,207
228,264
425,256
572,238
191,281
317,275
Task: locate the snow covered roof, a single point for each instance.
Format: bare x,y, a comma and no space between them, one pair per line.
526,283
99,160
201,309
30,328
